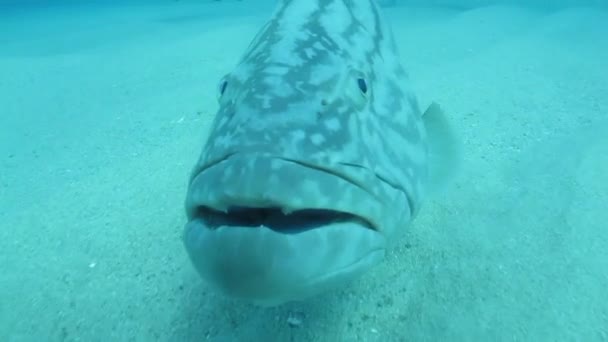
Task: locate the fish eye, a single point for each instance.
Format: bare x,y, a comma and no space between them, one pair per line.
362,85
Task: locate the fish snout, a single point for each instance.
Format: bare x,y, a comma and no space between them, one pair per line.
272,230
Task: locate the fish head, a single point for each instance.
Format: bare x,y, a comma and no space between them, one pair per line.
316,158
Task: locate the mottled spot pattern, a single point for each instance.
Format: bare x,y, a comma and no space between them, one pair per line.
318,114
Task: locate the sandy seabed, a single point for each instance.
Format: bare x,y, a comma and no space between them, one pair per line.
103,111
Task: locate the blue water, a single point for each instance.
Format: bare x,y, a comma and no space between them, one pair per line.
104,108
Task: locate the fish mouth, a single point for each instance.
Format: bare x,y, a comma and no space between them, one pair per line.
276,218
270,230
239,199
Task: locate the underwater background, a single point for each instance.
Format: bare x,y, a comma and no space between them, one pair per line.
104,107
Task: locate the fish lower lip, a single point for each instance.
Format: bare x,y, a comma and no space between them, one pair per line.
275,218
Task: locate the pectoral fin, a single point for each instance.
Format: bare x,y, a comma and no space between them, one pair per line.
444,149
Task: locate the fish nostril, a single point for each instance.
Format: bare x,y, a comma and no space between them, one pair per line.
324,102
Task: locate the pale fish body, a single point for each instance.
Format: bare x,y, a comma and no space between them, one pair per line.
317,158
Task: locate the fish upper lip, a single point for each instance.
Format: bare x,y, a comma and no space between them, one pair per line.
196,208
199,169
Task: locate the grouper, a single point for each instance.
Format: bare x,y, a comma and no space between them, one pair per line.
317,160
